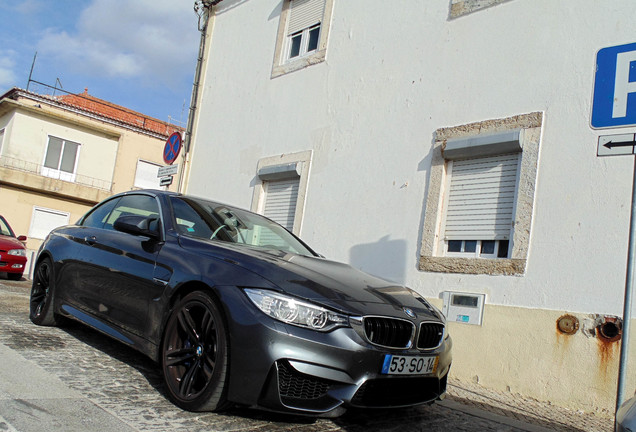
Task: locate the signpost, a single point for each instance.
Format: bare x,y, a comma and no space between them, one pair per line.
172,148
614,102
614,105
170,153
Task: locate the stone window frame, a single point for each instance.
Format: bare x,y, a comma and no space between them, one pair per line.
460,8
284,66
302,162
432,247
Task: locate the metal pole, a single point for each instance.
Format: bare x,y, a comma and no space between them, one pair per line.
627,306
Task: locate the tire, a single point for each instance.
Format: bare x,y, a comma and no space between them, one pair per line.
14,276
41,301
194,354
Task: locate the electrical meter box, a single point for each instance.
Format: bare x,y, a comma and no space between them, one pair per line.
464,308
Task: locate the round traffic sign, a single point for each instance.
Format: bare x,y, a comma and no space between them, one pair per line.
172,148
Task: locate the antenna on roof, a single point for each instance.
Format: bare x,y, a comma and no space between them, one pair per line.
31,73
57,80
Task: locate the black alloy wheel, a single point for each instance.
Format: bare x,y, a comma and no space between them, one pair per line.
41,301
194,354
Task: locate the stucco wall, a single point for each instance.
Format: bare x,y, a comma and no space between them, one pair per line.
29,138
393,76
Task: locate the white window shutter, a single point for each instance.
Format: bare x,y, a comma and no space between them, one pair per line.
146,175
481,198
280,201
45,220
304,14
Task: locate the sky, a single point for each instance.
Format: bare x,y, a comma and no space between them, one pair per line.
140,54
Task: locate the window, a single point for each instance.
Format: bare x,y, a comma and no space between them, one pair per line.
146,175
60,160
283,184
44,220
302,34
133,205
478,213
480,206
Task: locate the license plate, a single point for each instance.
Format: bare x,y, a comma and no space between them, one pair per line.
409,365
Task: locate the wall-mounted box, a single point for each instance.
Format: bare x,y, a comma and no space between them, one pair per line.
464,308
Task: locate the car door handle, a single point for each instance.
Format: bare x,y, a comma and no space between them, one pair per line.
90,240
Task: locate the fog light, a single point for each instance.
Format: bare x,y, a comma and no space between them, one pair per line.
17,266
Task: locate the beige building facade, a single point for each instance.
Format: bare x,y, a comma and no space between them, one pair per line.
59,156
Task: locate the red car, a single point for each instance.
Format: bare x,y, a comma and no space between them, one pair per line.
12,252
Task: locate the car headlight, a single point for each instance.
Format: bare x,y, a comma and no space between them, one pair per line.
17,252
293,311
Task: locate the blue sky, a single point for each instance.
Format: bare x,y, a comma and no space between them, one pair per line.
140,54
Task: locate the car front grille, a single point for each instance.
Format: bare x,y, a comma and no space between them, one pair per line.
396,392
295,385
431,335
388,332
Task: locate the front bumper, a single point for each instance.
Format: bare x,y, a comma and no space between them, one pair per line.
290,369
12,263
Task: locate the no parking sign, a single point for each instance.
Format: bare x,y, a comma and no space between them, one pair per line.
172,148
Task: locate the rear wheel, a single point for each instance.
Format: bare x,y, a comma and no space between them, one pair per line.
41,302
194,354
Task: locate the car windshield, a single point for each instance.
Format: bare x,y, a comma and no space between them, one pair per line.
209,220
5,229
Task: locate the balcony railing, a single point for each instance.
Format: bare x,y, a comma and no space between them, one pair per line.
30,167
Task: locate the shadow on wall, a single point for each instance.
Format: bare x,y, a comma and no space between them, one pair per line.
384,258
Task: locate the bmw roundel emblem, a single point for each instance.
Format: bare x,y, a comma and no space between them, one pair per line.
409,312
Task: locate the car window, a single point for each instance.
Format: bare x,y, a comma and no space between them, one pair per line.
97,217
5,229
204,219
137,205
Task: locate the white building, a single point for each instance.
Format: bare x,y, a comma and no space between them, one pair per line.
364,120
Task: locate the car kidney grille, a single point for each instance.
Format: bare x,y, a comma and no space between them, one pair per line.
388,332
294,385
431,335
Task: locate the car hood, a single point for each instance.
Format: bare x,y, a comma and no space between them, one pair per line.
7,243
330,283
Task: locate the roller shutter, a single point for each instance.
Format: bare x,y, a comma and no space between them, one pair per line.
481,198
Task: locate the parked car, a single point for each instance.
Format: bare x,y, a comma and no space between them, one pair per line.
237,310
12,251
626,416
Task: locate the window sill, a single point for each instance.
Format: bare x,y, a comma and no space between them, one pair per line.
495,267
300,63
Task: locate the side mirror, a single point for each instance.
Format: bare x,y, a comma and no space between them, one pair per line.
138,225
22,238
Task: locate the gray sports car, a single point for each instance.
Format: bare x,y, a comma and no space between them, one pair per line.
237,310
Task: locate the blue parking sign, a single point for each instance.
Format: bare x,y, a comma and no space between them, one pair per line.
614,101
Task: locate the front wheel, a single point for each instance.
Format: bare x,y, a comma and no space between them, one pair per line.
194,354
41,301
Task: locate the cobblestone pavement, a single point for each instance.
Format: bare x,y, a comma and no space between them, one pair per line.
107,380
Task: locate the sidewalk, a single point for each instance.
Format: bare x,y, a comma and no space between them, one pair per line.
527,410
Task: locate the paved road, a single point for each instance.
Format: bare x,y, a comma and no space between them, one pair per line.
74,379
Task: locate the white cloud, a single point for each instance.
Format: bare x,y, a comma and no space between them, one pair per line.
7,68
150,39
